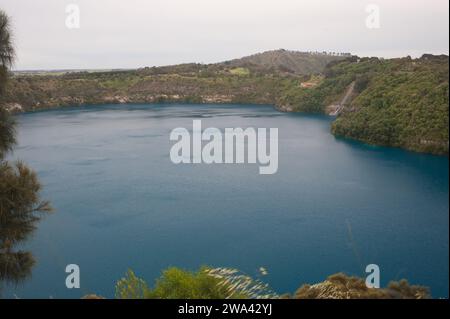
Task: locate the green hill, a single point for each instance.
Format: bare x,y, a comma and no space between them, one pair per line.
294,62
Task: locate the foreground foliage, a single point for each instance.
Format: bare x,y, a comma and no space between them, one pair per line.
20,204
226,283
175,283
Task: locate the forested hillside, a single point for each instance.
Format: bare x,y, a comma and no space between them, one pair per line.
401,103
396,102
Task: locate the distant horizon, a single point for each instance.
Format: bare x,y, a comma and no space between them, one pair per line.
414,56
118,34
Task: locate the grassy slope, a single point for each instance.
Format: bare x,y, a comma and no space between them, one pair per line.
294,62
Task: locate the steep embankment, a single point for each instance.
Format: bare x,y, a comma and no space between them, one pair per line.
397,102
404,106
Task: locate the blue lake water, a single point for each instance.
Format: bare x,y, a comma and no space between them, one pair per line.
334,205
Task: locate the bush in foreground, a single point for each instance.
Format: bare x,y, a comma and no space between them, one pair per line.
342,286
226,283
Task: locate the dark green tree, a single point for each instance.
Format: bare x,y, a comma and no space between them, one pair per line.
7,134
6,47
20,205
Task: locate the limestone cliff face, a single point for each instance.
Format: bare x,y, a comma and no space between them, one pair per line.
44,92
116,99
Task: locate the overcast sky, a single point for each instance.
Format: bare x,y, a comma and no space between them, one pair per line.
137,33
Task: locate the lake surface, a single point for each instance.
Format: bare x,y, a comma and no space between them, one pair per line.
334,205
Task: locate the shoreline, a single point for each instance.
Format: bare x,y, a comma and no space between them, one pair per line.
274,106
